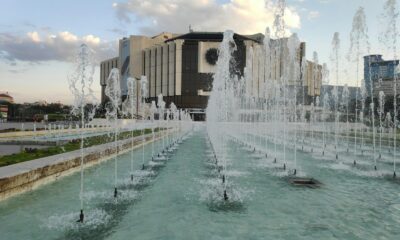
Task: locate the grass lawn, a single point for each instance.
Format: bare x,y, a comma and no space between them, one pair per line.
68,147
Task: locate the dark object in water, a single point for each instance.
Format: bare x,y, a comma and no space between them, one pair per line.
81,217
305,182
115,192
225,196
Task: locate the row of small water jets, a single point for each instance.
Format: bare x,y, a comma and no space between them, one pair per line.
171,124
277,114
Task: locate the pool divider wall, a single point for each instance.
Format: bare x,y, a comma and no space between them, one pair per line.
25,181
8,135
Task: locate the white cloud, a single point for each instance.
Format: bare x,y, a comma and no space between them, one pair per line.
313,15
34,36
46,46
242,16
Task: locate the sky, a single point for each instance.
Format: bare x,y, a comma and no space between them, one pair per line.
39,38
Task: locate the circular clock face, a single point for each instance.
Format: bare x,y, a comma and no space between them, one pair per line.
212,56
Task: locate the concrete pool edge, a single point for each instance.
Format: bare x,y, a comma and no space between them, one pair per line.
26,176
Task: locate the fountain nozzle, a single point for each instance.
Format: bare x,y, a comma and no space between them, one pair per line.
284,166
394,174
354,163
295,171
131,177
143,166
81,217
225,196
115,192
375,168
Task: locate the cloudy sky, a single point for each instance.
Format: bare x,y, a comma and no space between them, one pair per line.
39,38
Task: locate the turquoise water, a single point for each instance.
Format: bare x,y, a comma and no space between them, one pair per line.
182,199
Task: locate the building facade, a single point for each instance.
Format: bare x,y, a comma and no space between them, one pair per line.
380,73
181,67
5,101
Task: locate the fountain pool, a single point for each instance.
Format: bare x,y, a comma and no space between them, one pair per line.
181,200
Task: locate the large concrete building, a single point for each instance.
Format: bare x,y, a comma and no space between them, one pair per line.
380,73
181,67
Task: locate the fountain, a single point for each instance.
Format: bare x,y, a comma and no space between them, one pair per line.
262,141
113,92
335,60
129,109
144,93
389,38
381,112
80,83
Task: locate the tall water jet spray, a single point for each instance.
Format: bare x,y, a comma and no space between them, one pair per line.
80,84
359,43
143,93
335,60
248,78
315,75
345,103
279,25
161,112
267,77
303,109
363,94
153,110
294,46
220,98
129,109
389,37
381,112
325,104
113,92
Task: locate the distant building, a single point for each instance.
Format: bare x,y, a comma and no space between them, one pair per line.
380,73
5,100
181,67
